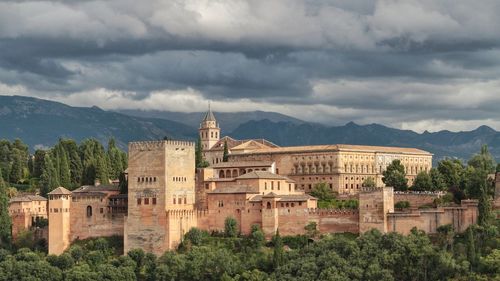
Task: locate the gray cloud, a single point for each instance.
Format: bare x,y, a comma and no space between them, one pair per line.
411,64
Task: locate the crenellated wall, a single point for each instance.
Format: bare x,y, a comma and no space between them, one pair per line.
460,217
417,199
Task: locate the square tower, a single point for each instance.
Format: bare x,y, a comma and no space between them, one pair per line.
161,178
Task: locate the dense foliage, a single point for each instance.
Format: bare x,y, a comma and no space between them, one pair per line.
66,164
327,198
371,256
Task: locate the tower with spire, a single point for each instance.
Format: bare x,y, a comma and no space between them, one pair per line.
209,130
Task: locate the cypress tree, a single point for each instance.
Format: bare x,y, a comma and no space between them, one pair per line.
278,253
49,178
123,184
226,152
471,248
5,220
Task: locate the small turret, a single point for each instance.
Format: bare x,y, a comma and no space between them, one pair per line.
209,130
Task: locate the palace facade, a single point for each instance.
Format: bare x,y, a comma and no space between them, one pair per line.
260,184
343,167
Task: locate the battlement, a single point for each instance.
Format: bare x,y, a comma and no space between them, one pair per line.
368,189
317,211
155,145
420,193
187,213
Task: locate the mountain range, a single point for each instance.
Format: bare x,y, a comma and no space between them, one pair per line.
40,123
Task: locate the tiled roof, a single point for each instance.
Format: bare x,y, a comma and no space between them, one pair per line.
27,198
263,175
234,189
284,198
231,143
336,147
209,116
99,188
60,191
119,196
237,164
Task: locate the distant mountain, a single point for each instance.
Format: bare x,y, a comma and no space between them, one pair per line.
228,120
41,123
443,144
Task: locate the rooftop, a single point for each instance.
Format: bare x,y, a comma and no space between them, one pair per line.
60,191
284,198
27,198
263,175
237,164
337,147
234,189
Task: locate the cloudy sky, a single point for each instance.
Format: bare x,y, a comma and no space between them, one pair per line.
420,65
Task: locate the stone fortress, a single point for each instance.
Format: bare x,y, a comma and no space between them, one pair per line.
260,183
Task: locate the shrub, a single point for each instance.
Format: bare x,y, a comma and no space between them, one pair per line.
402,205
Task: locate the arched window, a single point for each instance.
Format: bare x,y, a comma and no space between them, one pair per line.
269,205
89,211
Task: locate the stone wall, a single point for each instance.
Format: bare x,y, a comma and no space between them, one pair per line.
100,223
459,217
335,220
20,222
416,199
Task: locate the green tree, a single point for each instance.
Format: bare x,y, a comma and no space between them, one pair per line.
49,178
438,183
322,191
231,227
38,163
257,236
369,182
16,170
278,252
226,152
311,229
483,160
471,248
395,176
423,182
123,183
200,161
452,171
5,220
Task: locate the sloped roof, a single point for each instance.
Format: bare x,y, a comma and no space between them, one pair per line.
237,164
60,191
99,188
231,143
263,175
336,147
284,198
209,116
27,198
250,145
234,189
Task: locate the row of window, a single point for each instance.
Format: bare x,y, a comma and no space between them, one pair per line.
58,210
146,201
179,179
146,179
213,134
179,200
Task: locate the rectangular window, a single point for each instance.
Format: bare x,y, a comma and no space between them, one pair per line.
146,201
101,210
154,201
139,201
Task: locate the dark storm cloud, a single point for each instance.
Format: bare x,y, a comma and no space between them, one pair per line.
403,63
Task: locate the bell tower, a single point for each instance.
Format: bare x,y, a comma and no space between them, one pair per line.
209,130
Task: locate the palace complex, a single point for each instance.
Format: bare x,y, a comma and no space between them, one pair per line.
261,184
